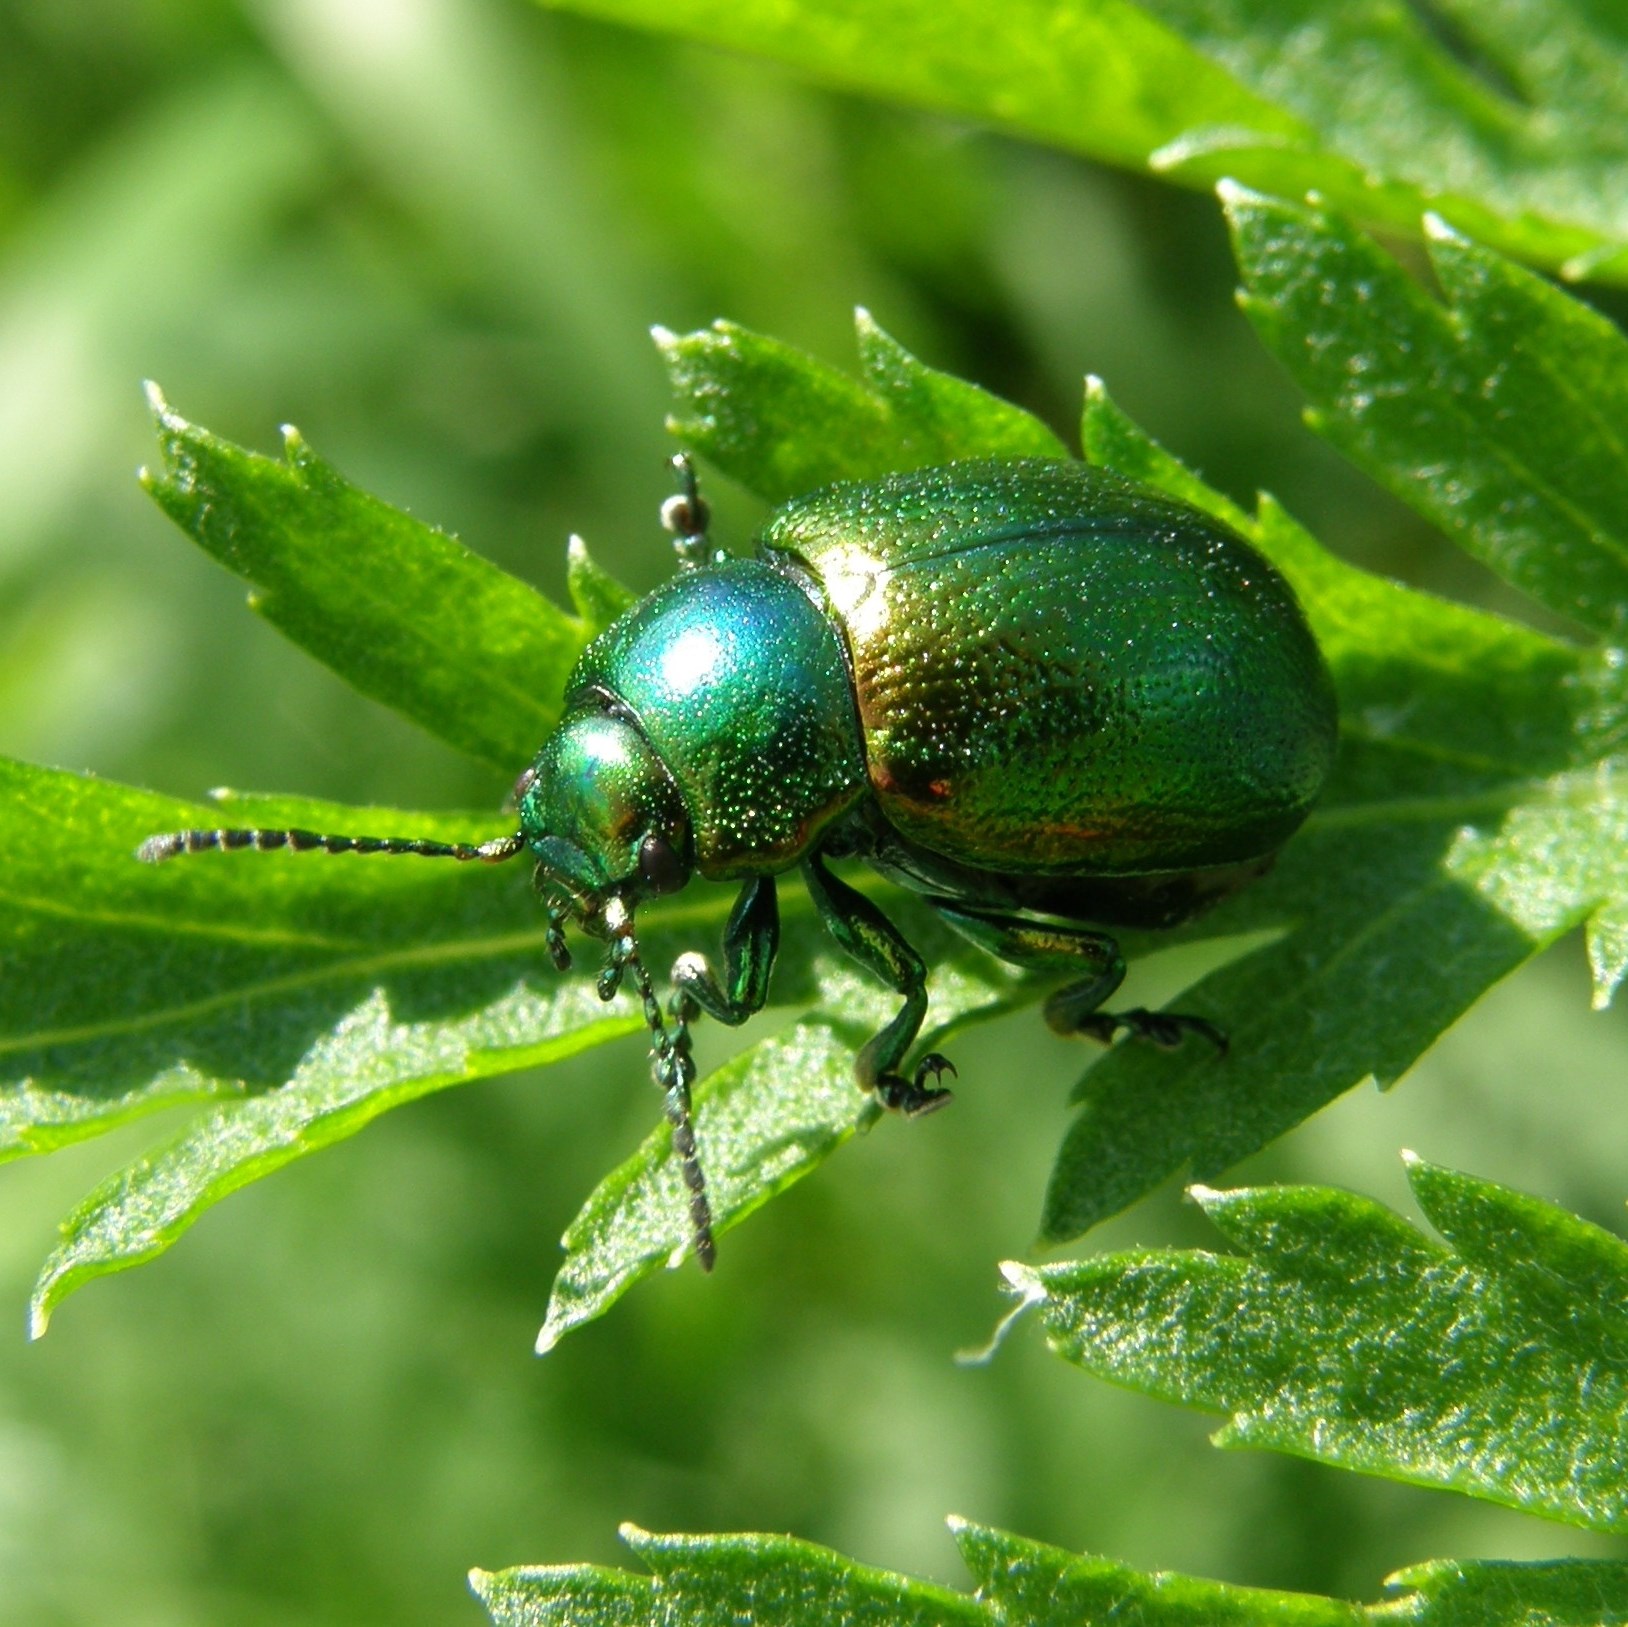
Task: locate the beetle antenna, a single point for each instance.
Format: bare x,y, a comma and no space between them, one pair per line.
686,515
170,844
674,1071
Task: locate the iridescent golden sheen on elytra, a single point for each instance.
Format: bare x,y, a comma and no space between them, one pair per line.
1058,672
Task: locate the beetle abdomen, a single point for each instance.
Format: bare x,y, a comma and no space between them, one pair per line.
1057,672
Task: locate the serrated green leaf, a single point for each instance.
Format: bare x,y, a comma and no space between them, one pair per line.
354,985
1031,1584
1470,1593
782,423
1499,415
767,1580
1490,1365
1476,813
368,1063
1518,133
765,1119
403,612
721,1581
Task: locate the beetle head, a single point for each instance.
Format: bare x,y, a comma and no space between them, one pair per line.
603,816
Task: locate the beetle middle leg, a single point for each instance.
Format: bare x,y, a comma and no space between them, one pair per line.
873,940
1075,1008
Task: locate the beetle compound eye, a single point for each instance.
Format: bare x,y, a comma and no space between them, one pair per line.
660,865
524,784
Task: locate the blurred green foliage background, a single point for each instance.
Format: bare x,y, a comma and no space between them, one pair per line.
433,233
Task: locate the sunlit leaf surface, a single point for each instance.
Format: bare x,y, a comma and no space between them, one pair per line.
1510,119
719,1581
1489,1362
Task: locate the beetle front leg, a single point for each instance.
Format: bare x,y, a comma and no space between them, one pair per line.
751,942
1073,1009
871,939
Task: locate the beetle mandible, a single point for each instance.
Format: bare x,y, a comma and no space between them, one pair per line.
1049,701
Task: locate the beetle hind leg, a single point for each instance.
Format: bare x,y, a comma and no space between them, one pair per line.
871,939
1076,1008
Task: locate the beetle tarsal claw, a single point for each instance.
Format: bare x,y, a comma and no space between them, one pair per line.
1166,1029
914,1097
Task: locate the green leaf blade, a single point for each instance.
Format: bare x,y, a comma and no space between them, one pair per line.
1037,1585
1467,1593
1518,140
1568,1266
403,612
566,1596
368,1065
1492,417
724,1580
1342,1334
293,996
762,1122
720,1581
784,424
1504,134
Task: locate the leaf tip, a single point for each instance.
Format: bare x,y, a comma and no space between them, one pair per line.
663,337
39,1317
1437,230
1410,1159
548,1335
157,405
1233,193
1022,1279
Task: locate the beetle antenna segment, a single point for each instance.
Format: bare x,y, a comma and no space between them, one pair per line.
170,844
686,515
674,1070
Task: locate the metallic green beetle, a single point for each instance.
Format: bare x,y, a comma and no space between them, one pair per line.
1047,700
